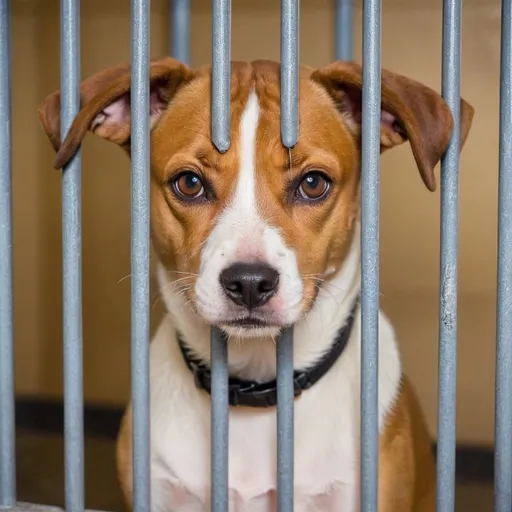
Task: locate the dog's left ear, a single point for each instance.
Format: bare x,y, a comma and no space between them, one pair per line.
409,111
105,105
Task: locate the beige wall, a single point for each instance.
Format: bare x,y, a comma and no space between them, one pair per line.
410,214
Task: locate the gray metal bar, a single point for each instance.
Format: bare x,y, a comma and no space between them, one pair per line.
221,74
370,253
344,31
284,355
7,438
285,404
503,436
140,254
180,30
220,421
221,111
448,273
72,263
289,72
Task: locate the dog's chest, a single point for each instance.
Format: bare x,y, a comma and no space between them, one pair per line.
326,444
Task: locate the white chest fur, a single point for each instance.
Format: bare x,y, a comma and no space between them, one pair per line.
326,416
326,435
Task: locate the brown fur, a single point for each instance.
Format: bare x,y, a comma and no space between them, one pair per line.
181,139
329,140
124,458
406,462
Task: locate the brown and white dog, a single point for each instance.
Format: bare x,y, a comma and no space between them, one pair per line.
254,240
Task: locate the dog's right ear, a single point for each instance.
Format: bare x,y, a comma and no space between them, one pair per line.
105,105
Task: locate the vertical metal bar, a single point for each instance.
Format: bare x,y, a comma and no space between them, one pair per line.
220,421
285,403
370,253
289,72
7,438
180,30
140,255
72,263
221,73
221,98
344,32
448,273
503,442
284,355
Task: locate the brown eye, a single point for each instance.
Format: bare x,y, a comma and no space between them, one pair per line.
188,185
313,186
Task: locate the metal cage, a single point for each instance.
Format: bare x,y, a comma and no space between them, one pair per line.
71,227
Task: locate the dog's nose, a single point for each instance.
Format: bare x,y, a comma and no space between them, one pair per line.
249,284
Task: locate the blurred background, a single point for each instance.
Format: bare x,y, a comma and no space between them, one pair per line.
410,221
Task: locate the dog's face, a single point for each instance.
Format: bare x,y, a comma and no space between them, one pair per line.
248,236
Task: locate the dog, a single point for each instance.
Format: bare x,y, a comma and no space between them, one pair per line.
254,240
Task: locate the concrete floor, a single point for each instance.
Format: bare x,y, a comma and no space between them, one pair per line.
40,471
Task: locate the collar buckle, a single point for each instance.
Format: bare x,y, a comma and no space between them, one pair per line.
244,393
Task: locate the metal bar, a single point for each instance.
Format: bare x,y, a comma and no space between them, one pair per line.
72,263
180,30
221,74
7,437
344,31
221,111
285,403
503,436
220,421
284,350
221,96
370,253
448,274
140,254
289,72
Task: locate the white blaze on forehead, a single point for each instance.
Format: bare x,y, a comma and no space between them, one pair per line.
241,234
244,199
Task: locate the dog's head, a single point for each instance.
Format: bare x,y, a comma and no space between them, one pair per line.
248,236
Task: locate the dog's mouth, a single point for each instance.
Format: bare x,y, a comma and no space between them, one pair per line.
249,322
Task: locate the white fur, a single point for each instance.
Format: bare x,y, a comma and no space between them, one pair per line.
327,416
241,234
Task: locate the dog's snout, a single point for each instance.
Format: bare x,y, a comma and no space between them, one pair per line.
249,284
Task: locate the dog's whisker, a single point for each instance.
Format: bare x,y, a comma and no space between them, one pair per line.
183,273
155,301
329,283
182,287
124,278
153,275
198,248
172,284
182,279
335,299
190,304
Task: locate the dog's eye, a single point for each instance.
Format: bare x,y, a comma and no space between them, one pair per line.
188,185
313,186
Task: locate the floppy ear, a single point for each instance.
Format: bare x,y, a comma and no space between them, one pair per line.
105,105
409,111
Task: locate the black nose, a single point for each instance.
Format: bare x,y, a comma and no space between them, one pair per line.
249,284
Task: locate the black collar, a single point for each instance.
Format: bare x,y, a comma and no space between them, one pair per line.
249,393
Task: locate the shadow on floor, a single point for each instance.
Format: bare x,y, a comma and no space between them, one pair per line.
40,471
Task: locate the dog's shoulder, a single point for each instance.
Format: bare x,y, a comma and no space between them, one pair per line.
124,456
406,461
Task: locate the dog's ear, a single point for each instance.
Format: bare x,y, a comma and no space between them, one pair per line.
105,105
409,111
